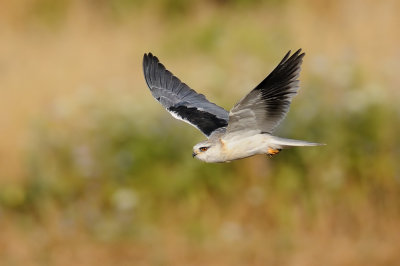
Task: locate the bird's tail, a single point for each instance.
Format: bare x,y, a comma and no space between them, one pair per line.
282,143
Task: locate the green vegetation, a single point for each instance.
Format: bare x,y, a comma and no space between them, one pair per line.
105,176
103,160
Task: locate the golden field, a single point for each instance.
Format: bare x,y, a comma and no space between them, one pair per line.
95,172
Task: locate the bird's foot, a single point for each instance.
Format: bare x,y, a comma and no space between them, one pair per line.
271,152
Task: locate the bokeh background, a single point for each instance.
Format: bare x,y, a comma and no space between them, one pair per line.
94,172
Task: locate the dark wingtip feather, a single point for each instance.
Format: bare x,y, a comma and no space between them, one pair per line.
278,88
298,55
149,58
285,57
293,59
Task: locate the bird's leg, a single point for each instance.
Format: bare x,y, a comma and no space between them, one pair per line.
271,152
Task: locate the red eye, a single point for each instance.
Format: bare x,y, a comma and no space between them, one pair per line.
203,149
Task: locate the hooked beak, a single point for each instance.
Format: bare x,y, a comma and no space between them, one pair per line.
194,154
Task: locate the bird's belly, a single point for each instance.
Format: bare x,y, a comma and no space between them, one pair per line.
233,149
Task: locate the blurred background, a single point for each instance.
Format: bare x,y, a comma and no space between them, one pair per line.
93,171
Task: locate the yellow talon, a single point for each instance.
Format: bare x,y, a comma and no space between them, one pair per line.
272,152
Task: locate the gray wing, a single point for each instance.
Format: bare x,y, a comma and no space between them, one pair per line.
267,105
181,101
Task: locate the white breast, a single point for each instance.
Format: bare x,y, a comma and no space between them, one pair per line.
238,147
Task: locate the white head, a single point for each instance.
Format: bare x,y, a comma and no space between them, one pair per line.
208,151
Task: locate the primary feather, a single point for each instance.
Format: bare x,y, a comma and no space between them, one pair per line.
180,100
267,105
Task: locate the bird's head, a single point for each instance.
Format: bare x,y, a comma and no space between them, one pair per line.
203,150
207,151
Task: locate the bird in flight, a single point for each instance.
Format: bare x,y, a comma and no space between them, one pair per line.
247,128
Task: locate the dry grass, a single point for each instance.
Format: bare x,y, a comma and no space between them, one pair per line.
54,57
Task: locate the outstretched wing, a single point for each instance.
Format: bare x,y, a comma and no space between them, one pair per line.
267,105
180,100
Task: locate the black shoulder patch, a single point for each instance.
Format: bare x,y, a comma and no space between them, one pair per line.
204,121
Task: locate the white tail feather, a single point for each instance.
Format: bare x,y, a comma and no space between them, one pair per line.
282,143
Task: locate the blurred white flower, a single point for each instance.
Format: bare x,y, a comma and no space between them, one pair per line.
360,99
124,199
231,232
84,160
319,65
